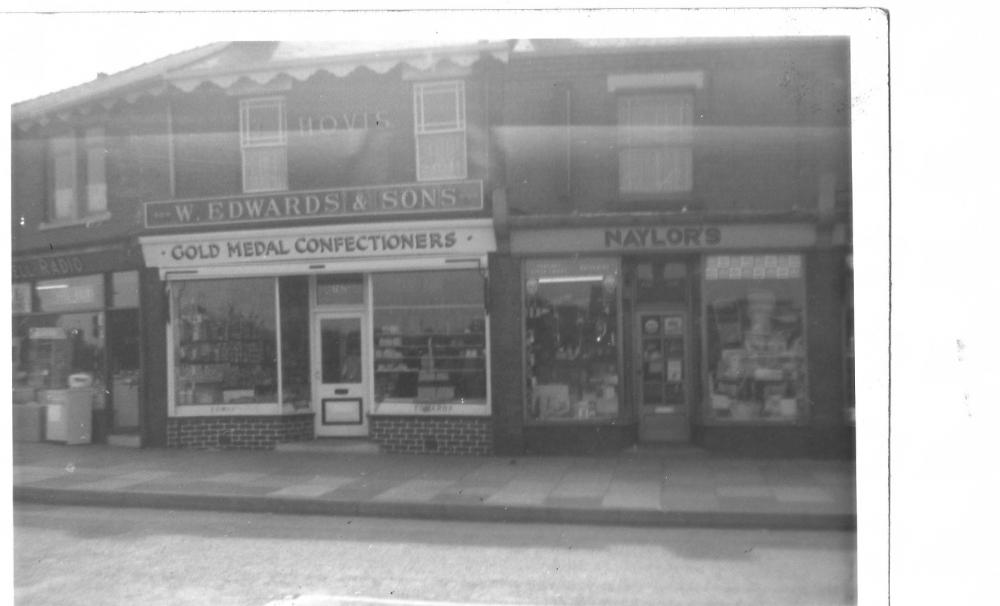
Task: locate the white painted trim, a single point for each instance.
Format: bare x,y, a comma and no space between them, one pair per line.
444,409
691,79
85,221
324,267
226,410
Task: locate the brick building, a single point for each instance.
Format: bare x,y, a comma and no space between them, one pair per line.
511,246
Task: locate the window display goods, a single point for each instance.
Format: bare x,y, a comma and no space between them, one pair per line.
571,336
755,342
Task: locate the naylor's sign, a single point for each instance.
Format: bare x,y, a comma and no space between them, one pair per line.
662,237
312,244
387,200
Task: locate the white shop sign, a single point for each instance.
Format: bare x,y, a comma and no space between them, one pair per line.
318,244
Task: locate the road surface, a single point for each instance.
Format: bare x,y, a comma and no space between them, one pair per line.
79,555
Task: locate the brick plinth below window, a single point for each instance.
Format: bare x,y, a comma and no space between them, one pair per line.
238,433
433,435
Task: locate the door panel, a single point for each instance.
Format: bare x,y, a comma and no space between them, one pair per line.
339,375
662,371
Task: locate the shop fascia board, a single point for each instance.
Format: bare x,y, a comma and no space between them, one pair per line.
469,256
642,218
332,230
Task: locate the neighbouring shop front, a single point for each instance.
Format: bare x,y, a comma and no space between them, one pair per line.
368,330
75,336
679,334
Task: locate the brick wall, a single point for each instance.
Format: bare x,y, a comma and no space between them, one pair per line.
238,433
433,435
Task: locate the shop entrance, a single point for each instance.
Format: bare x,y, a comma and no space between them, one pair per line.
339,374
663,374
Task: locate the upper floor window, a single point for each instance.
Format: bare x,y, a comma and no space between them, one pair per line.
439,124
654,152
263,141
73,198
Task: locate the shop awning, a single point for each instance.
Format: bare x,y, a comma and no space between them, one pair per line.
262,62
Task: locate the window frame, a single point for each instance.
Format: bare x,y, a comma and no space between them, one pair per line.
61,146
424,130
176,408
94,141
87,157
679,137
411,406
248,141
533,272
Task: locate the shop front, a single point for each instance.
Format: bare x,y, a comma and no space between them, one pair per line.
76,319
365,331
677,334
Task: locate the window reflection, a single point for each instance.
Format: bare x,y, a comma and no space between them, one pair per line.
572,346
225,341
430,337
756,351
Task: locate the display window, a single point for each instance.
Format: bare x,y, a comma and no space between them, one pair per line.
56,351
430,338
225,341
755,338
573,355
63,344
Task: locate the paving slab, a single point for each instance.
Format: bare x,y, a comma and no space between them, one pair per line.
662,488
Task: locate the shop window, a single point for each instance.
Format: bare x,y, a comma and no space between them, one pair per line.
655,136
49,349
263,141
225,341
67,201
755,341
572,340
439,122
430,337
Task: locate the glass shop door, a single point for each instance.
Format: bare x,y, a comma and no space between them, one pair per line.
663,384
340,381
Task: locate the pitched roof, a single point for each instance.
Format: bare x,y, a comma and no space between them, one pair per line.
261,62
225,63
132,79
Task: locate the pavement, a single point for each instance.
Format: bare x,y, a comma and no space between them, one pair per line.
664,487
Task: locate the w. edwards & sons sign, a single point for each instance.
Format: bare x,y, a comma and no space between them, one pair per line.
407,198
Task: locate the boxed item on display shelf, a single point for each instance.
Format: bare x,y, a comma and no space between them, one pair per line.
553,400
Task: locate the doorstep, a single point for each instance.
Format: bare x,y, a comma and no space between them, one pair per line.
124,440
330,446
